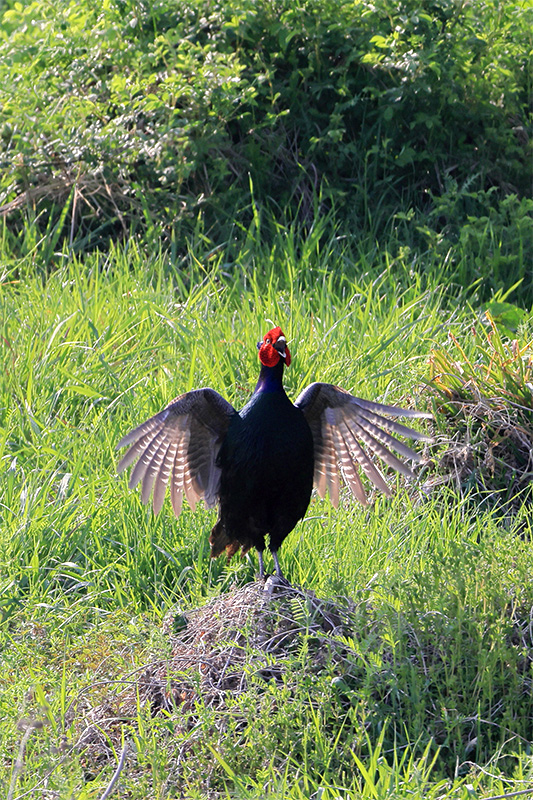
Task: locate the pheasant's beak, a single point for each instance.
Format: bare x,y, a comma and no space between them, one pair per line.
280,345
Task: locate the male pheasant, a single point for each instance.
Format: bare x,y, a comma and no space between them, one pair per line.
260,464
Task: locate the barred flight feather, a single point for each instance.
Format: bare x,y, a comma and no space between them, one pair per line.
160,485
330,463
392,411
153,469
348,470
151,425
320,473
143,463
138,448
176,484
385,438
395,427
190,492
370,470
376,447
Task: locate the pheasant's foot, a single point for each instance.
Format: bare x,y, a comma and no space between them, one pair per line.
274,583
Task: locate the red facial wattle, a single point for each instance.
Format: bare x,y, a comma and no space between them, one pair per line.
270,351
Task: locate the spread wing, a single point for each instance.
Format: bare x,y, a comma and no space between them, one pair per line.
179,446
341,425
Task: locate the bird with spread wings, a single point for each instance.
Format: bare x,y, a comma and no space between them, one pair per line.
260,464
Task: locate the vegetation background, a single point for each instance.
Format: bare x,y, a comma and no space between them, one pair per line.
175,176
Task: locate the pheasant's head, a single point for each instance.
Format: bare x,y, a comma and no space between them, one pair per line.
273,348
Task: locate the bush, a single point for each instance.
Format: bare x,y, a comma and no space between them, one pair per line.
144,114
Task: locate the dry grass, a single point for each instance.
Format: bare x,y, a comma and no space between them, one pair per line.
484,400
78,196
490,454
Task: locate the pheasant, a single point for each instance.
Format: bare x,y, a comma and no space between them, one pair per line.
260,464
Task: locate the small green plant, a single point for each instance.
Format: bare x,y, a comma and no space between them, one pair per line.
497,370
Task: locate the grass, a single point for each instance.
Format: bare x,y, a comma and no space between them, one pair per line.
436,701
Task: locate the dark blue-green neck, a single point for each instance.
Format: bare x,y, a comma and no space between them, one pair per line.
271,378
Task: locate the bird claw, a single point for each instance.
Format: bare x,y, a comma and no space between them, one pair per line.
274,582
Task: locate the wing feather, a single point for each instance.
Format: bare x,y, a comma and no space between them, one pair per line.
392,411
368,467
144,461
343,426
179,446
161,482
385,438
153,469
176,484
320,477
330,462
151,426
392,425
135,450
375,446
192,493
348,468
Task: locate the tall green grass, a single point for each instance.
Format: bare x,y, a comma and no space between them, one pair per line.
437,693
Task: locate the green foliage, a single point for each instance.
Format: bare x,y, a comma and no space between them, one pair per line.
485,242
135,114
434,692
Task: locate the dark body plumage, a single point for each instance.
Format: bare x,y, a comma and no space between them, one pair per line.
260,464
267,466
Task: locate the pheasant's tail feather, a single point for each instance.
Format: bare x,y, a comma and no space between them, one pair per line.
219,540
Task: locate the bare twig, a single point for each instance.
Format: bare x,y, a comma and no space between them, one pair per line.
19,763
509,794
116,774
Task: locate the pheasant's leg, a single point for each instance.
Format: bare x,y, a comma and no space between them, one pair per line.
261,565
276,564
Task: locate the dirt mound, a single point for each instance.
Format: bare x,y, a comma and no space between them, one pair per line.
218,651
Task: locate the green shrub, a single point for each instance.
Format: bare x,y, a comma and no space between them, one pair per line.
134,114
